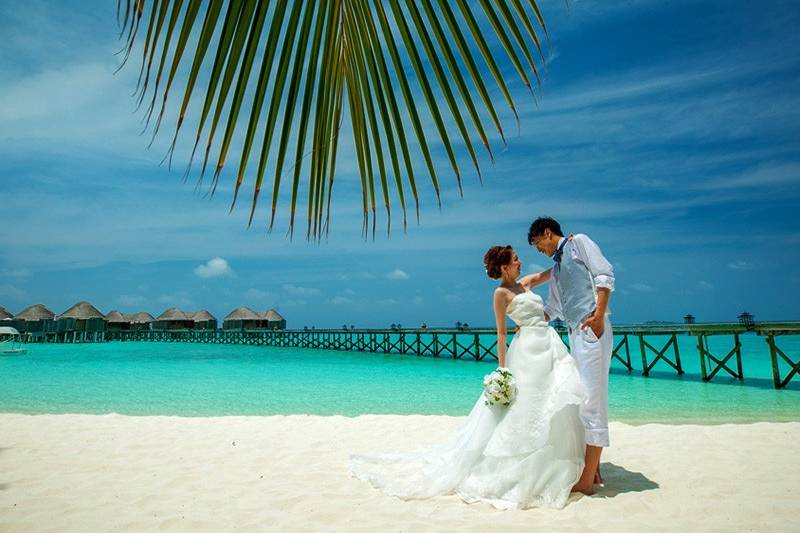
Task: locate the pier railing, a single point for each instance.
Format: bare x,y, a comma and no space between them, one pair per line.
656,343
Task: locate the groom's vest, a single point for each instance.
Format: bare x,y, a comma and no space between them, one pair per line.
575,288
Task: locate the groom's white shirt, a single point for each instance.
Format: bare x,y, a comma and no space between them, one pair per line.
592,355
584,250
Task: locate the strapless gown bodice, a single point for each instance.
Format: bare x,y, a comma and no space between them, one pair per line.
527,310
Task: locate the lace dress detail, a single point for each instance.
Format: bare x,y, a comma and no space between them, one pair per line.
528,454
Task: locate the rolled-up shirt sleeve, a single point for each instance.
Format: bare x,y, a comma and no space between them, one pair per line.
553,305
591,256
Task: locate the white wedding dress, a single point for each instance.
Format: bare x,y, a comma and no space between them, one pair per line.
528,454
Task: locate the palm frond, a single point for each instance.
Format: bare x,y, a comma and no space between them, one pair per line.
407,75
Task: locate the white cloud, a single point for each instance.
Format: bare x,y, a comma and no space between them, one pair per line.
300,291
396,275
702,284
418,300
179,300
256,294
388,301
128,300
15,273
763,175
214,268
341,300
641,287
9,291
740,265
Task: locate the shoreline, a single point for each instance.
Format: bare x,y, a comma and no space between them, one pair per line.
633,421
290,472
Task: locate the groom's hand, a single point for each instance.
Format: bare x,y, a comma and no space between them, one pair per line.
595,321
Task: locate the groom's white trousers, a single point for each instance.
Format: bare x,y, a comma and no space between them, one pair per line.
593,358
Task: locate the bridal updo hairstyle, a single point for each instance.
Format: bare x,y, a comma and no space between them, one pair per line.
496,257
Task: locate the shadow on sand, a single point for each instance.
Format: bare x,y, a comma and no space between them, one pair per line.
4,486
618,480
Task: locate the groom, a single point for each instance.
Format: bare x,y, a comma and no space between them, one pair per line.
581,284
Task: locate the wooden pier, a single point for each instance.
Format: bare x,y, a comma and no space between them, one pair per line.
658,345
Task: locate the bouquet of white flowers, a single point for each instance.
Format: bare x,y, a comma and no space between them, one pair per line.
499,387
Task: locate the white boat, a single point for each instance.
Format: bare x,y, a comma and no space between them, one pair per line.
11,342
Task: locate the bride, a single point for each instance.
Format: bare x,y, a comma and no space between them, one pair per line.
528,454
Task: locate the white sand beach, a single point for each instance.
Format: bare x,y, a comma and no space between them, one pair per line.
289,473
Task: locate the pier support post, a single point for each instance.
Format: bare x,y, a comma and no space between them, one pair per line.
709,360
774,352
660,354
615,353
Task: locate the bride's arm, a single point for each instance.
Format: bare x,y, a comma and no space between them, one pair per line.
534,280
500,303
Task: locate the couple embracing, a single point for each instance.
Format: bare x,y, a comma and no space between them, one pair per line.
547,443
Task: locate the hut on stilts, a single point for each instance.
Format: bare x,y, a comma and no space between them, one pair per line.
274,320
242,318
81,323
173,319
142,321
203,319
36,323
116,321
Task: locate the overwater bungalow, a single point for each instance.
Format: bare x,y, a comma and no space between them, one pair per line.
36,320
141,321
242,318
173,318
34,313
274,320
82,316
5,315
116,321
203,319
80,323
746,319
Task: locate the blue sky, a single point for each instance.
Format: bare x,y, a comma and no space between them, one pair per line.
669,131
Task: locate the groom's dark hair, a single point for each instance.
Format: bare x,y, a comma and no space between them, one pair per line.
542,223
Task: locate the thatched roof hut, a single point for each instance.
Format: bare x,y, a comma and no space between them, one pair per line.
117,321
35,312
82,316
242,318
242,313
142,318
173,313
201,316
273,316
173,318
5,315
82,311
274,319
141,321
203,319
115,317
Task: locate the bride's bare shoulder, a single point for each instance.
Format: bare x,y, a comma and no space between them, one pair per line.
503,295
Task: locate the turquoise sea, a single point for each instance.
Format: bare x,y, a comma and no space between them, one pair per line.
146,378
